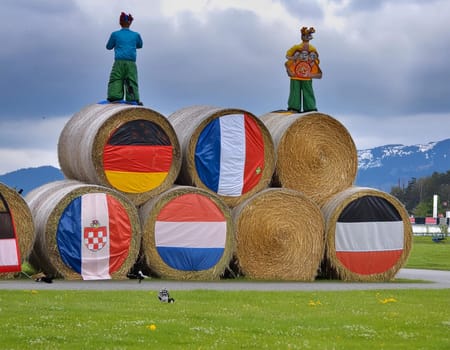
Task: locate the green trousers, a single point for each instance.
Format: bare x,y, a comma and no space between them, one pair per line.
301,90
123,81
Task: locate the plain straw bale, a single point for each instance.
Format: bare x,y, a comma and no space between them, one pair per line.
279,236
315,153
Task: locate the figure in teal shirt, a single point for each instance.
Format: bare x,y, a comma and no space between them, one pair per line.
123,80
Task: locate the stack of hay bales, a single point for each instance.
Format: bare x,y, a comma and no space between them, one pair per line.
16,231
317,156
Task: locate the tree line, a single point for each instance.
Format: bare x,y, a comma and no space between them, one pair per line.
417,196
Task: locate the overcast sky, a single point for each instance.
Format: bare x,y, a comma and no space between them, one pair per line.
386,73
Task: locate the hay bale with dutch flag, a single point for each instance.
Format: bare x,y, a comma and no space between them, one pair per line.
226,151
187,234
369,235
131,149
83,231
16,231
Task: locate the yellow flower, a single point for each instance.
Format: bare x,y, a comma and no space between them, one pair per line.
152,327
388,300
314,303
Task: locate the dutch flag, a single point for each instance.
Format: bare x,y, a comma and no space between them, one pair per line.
190,233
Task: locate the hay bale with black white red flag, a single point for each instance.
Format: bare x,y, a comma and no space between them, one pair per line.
83,231
315,153
226,151
131,149
279,236
187,234
16,231
369,235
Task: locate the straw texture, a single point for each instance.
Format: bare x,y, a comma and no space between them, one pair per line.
47,204
23,222
189,122
332,210
279,236
149,213
315,154
82,141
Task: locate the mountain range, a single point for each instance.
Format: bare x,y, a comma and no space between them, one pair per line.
380,167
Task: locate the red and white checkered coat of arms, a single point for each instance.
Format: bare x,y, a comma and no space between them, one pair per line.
95,236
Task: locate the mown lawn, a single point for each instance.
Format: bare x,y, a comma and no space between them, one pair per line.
397,319
426,254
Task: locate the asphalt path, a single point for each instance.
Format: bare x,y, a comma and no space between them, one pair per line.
405,279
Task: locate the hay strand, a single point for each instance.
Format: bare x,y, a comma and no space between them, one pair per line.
279,236
315,154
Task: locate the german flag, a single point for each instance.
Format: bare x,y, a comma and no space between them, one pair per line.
137,157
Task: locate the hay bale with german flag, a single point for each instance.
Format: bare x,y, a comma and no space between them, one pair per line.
315,153
131,149
369,235
279,236
187,234
83,231
226,151
16,231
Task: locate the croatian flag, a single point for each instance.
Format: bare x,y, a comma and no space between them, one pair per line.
190,233
9,247
229,154
94,235
369,236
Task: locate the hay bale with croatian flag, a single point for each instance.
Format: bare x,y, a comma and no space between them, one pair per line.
226,151
369,235
16,231
131,149
315,153
187,234
83,231
279,236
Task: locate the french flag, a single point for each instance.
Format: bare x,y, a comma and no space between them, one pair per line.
9,247
190,233
229,154
369,236
94,235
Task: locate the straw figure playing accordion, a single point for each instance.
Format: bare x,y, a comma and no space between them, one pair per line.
302,66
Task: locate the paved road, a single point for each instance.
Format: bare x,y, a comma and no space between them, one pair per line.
429,279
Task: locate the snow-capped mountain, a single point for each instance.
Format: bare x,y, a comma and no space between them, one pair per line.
393,165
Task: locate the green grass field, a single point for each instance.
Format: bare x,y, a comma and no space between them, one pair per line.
381,319
426,254
400,319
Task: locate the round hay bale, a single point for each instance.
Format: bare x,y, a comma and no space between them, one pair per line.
187,234
279,236
315,154
368,235
131,149
83,231
227,151
16,231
